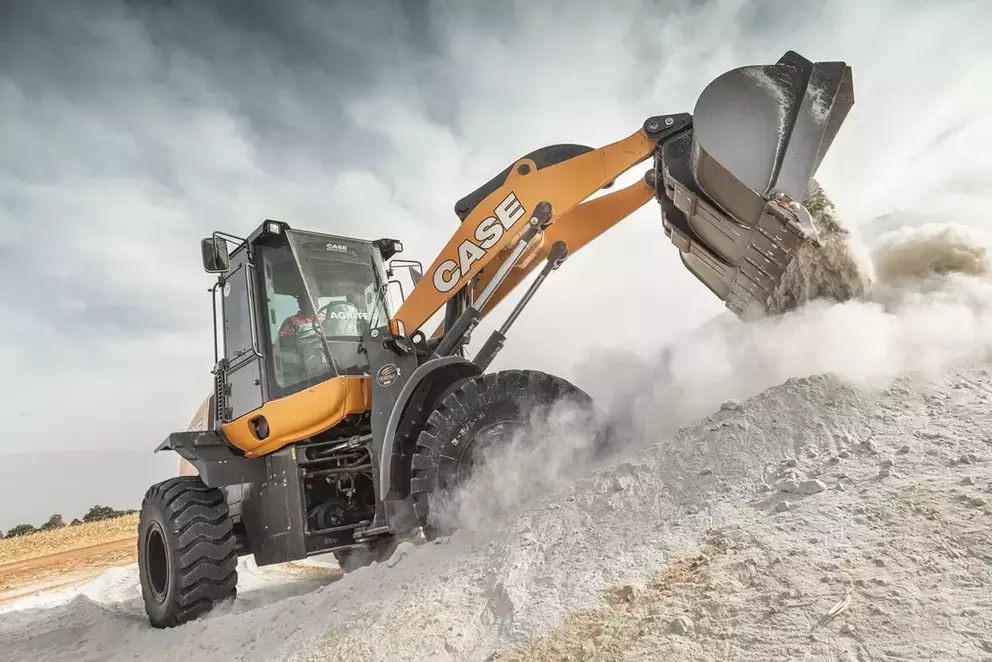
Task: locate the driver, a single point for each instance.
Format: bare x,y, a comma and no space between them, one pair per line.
300,324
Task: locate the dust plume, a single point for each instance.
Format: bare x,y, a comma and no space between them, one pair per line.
917,299
928,250
519,470
920,300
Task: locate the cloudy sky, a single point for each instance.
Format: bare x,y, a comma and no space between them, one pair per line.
128,130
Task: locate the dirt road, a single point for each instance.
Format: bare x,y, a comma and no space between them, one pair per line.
64,568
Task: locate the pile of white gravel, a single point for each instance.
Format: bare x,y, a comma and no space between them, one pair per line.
732,540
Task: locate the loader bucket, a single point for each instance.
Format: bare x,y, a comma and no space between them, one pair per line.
732,187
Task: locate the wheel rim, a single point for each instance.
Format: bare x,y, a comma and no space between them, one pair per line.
492,435
157,561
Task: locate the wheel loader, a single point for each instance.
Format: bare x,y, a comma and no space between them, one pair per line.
338,424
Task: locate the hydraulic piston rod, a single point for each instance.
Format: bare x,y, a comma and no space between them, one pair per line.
469,318
496,340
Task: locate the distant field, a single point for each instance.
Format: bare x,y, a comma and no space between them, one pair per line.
80,550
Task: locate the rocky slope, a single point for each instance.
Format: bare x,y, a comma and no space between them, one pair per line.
815,521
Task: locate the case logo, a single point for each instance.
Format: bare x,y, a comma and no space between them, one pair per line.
486,235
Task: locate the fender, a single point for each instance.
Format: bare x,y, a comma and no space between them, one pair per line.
425,386
213,458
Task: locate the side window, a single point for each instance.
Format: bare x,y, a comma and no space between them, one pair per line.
281,307
237,317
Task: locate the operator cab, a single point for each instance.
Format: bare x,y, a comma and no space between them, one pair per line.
295,305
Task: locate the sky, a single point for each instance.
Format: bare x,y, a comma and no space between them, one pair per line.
131,129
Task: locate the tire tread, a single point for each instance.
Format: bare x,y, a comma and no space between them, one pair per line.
205,555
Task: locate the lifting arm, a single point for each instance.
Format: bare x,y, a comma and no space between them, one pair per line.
491,230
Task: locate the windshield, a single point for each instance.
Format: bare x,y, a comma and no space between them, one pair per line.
343,283
323,293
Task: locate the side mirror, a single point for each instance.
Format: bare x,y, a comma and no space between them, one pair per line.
216,259
416,274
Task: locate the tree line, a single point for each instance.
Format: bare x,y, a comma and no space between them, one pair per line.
94,514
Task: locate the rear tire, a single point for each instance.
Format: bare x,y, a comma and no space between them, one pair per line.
449,441
187,552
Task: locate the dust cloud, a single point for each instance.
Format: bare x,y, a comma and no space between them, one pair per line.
917,299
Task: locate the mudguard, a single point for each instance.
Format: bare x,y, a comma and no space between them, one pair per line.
732,187
426,386
215,462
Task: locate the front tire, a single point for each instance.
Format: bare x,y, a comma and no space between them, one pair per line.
187,552
475,416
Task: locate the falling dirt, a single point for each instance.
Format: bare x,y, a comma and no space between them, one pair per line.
833,270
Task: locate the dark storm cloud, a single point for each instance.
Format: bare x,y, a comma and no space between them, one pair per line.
128,130
286,68
94,88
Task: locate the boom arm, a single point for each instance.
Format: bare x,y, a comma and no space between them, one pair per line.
487,235
575,228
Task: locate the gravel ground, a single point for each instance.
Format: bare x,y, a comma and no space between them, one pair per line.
733,540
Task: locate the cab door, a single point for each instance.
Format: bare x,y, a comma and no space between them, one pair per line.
242,379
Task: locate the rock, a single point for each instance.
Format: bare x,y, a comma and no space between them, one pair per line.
788,485
966,459
846,629
844,454
783,506
628,593
812,487
904,450
885,472
731,405
888,463
790,462
978,502
706,472
402,551
682,626
967,480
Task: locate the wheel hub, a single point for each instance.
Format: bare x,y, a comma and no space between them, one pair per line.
494,435
157,561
